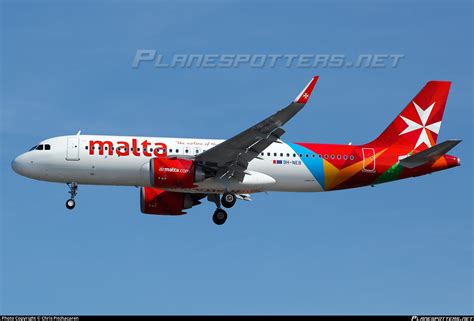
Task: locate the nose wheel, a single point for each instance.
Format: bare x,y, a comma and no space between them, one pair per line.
71,203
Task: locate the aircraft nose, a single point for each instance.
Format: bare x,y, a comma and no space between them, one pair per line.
19,165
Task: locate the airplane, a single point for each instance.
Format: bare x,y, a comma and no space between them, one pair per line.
175,174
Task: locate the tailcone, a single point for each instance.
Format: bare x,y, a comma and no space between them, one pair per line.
452,161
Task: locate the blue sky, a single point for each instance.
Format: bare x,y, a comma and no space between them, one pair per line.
403,248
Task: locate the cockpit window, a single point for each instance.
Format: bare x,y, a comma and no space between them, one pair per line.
41,147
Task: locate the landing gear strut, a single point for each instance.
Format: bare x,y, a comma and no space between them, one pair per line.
71,203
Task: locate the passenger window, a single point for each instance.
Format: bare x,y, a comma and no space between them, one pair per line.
326,156
274,154
352,157
40,147
314,156
307,155
268,154
345,157
332,156
287,154
338,156
294,155
87,147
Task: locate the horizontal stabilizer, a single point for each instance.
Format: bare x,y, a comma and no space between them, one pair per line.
429,155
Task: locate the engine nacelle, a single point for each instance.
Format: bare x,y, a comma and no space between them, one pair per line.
157,201
172,172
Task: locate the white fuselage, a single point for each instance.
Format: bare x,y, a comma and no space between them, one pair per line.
76,159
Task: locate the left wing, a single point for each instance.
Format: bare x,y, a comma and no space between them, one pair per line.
231,157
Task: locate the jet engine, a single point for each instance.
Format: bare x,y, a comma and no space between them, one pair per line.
173,172
157,201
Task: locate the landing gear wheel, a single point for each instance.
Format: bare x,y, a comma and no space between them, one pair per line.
70,203
219,217
228,200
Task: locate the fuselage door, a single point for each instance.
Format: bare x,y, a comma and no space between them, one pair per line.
72,153
368,164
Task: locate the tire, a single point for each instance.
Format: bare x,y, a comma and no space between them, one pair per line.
70,204
219,217
228,200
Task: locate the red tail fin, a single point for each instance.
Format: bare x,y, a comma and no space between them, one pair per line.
417,126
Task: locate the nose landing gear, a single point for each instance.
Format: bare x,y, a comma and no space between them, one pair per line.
71,203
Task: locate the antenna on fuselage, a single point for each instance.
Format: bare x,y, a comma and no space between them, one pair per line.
350,143
78,133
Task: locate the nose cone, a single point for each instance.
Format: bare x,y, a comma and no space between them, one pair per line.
20,165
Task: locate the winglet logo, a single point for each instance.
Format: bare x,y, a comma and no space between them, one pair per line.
426,130
304,95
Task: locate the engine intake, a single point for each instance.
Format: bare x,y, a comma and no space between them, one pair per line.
173,172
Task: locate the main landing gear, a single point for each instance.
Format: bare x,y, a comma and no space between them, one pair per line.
71,203
219,217
228,200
